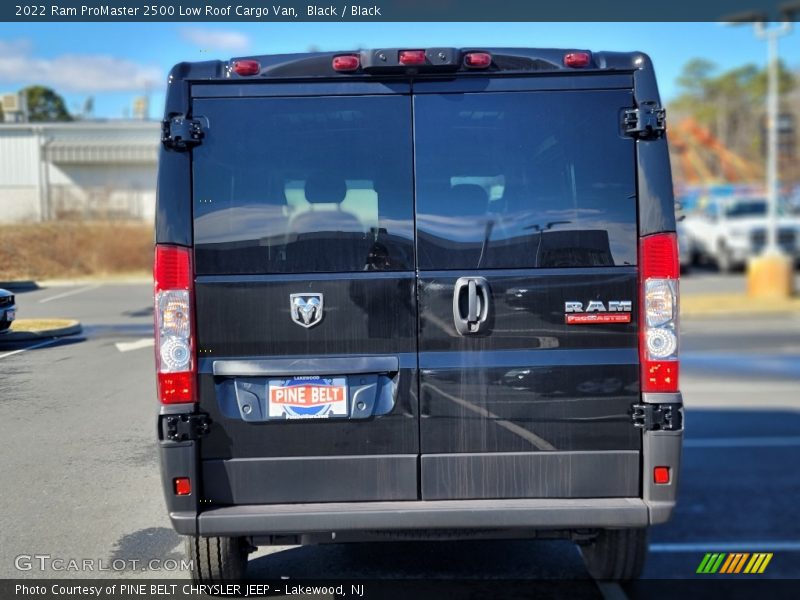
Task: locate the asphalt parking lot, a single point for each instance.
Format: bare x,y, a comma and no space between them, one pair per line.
81,475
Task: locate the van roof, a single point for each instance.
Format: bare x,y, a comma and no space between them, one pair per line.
385,62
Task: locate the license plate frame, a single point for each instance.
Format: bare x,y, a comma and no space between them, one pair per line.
308,397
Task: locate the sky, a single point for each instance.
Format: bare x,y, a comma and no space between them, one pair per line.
115,62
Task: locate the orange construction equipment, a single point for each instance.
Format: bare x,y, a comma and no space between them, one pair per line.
703,159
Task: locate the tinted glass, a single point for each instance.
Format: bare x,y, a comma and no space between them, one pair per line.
523,180
303,185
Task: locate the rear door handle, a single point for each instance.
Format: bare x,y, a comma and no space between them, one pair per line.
471,303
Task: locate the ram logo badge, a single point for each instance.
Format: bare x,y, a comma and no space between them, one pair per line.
596,311
306,309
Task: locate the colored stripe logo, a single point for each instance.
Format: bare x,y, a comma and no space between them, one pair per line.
731,563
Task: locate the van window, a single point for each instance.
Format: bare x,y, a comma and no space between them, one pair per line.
524,180
304,185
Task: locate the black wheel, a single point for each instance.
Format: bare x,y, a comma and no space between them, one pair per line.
217,559
616,554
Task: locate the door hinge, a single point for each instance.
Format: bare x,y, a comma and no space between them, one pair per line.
180,133
647,122
180,428
657,417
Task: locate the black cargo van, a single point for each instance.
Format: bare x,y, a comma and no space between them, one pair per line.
417,294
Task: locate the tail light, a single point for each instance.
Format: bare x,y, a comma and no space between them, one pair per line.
246,67
577,59
411,57
658,325
346,62
174,324
477,60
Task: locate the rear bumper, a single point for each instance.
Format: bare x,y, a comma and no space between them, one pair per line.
410,515
659,448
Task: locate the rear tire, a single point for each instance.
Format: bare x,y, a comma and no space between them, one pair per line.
216,559
616,554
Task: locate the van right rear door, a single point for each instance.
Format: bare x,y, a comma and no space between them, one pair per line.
526,207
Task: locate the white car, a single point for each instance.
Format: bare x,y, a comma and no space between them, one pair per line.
730,231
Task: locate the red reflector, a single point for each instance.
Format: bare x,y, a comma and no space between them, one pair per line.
172,268
246,67
477,60
347,62
176,387
661,475
577,59
183,486
411,57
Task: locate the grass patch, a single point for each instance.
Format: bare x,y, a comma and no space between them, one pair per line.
69,249
34,325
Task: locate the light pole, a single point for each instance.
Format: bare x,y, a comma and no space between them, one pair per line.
771,34
770,275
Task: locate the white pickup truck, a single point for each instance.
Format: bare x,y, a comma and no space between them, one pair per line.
729,231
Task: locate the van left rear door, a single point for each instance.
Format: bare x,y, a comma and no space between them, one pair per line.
306,293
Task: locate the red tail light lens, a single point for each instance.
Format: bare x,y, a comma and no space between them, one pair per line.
577,59
246,67
411,57
346,62
174,325
658,342
477,60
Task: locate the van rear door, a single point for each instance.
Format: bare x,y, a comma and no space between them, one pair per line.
527,254
306,293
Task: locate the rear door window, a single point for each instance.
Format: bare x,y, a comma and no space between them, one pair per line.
524,180
304,185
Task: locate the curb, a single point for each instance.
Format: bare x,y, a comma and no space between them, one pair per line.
25,336
19,286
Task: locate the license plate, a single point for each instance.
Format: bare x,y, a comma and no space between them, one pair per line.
308,397
11,315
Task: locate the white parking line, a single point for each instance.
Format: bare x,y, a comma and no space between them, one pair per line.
142,343
70,293
39,345
743,442
717,546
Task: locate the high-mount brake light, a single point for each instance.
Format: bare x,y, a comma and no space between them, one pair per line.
477,60
246,67
174,325
658,327
577,59
346,62
411,57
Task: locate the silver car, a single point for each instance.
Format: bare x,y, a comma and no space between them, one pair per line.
8,310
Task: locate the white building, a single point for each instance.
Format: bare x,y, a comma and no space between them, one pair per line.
84,169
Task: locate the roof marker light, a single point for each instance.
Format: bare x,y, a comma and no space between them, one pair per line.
246,67
477,60
411,57
577,59
346,62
